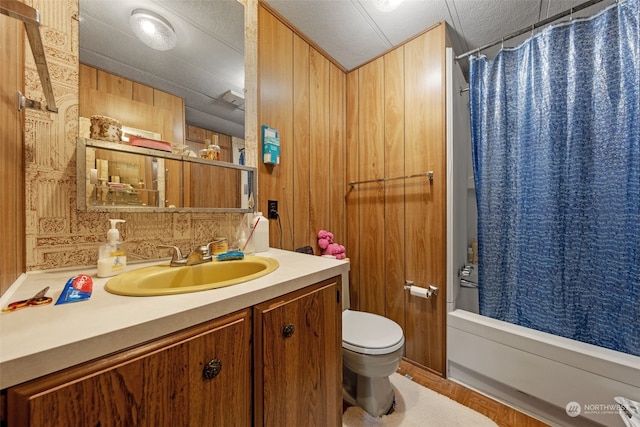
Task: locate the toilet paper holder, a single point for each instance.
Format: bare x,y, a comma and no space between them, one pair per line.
420,292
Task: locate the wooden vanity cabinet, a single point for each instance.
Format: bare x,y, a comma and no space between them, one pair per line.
205,375
197,377
298,358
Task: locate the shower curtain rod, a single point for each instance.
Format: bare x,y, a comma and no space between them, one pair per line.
532,27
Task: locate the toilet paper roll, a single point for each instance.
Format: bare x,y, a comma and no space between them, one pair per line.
420,292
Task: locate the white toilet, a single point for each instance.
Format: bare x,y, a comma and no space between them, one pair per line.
372,347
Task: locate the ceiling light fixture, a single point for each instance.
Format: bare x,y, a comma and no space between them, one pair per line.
153,30
386,5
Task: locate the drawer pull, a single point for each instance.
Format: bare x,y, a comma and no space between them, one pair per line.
288,330
212,369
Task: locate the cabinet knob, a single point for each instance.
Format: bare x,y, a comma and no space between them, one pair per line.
212,369
288,330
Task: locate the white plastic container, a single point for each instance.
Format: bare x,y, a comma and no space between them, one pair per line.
261,233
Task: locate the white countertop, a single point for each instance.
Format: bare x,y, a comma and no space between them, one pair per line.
36,341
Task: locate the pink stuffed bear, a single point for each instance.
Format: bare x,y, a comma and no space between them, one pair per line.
325,241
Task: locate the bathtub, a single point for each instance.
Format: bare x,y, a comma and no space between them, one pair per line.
549,377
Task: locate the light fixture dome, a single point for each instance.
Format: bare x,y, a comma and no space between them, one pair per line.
153,30
386,5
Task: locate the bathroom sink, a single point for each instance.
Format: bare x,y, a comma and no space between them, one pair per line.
165,280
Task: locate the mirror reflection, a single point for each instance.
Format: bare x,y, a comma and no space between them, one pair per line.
119,179
205,67
188,95
116,177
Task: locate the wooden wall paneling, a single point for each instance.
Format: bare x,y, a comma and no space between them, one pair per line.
220,187
174,130
115,85
128,112
394,225
371,195
88,77
175,196
12,192
302,233
106,94
275,109
352,132
298,86
187,176
425,202
142,93
224,141
196,133
226,187
319,141
337,150
168,102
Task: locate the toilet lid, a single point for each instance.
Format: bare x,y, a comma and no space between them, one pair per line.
369,333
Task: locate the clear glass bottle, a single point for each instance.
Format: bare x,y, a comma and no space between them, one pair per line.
214,151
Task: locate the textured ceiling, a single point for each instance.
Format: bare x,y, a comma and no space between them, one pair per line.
208,59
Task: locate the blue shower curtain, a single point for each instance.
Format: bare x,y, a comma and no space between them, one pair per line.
556,156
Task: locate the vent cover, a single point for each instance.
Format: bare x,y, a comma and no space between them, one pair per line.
233,97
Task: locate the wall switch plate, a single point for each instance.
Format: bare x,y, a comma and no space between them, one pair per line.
272,209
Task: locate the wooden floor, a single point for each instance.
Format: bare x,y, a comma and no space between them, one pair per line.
502,415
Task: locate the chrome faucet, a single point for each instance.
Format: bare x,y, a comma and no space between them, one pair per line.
200,255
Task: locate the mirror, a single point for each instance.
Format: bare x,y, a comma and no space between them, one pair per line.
205,68
119,177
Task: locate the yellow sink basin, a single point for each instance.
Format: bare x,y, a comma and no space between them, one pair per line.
165,280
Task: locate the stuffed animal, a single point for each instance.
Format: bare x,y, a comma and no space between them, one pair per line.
328,246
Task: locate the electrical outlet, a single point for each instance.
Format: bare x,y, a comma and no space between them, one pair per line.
272,209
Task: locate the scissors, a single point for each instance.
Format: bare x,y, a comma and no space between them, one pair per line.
37,299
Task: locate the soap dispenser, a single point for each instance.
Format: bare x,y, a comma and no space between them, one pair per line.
112,258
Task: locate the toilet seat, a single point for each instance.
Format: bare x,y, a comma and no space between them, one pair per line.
369,333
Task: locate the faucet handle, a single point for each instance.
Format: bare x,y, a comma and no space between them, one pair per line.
176,254
206,249
466,271
202,253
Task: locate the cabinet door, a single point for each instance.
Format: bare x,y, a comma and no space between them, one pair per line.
158,384
298,358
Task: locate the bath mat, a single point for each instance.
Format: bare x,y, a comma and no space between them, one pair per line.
418,406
